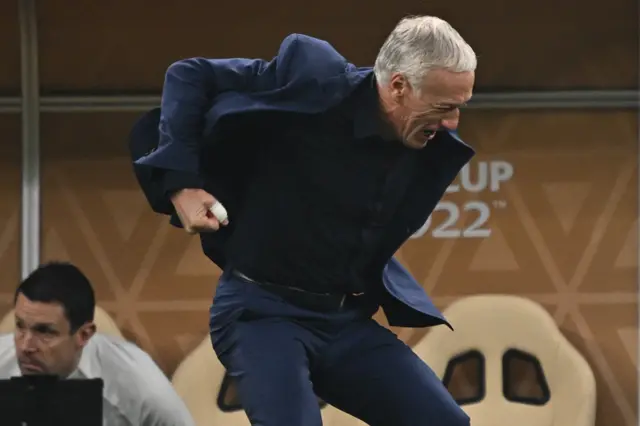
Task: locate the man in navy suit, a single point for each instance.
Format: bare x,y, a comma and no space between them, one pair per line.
324,170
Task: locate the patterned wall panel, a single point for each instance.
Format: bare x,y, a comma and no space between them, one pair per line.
126,45
547,210
94,215
560,193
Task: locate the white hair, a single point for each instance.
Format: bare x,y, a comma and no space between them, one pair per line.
419,44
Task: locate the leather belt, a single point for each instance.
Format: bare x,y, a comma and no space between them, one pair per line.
304,299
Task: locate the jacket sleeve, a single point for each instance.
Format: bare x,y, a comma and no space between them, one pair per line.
190,88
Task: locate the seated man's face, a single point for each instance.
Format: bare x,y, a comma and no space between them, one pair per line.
43,338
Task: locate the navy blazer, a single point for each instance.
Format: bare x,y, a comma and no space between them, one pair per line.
307,76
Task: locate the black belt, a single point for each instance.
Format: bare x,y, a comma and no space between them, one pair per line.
302,298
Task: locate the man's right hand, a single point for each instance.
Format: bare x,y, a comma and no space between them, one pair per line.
193,208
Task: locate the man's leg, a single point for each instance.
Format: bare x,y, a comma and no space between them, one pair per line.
268,359
370,374
266,353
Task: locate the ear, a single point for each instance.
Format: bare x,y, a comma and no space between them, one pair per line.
399,87
85,332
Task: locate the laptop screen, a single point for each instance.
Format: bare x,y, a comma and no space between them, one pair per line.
38,400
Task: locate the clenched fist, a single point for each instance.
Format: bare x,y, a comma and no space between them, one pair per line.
199,211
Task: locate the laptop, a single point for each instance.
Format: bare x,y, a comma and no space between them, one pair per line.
39,400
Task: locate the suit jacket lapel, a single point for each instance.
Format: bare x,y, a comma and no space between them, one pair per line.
438,165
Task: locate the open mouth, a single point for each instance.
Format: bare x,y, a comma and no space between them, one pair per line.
428,133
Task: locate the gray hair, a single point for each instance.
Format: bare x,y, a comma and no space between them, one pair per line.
419,44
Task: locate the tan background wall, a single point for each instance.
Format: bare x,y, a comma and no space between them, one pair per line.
125,45
563,228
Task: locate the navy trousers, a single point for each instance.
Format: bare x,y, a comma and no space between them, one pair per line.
284,357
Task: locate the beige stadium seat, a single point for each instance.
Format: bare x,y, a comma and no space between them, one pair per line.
199,382
528,373
104,323
331,416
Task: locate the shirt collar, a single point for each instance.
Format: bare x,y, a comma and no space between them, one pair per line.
87,366
367,118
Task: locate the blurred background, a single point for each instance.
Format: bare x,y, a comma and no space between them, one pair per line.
547,210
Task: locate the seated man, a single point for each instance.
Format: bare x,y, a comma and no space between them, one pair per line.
55,334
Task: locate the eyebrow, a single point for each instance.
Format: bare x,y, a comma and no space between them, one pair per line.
40,327
45,328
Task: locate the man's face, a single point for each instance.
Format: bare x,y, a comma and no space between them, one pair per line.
417,114
43,338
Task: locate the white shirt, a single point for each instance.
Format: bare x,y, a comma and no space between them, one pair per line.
136,392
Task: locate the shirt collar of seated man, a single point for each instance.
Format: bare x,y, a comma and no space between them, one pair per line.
54,308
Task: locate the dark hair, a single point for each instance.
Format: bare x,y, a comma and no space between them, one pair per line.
63,283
